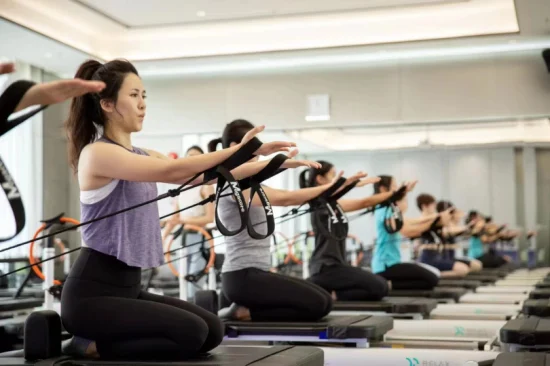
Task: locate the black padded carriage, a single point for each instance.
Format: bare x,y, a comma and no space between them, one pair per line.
539,307
331,327
543,285
468,284
221,356
527,332
522,359
439,293
540,294
482,277
390,305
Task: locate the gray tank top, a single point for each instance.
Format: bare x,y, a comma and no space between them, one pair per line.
133,237
242,251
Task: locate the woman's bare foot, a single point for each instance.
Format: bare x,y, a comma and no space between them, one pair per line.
242,314
389,285
80,347
91,351
333,295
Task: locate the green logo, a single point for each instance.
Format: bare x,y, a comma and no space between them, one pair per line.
459,331
413,361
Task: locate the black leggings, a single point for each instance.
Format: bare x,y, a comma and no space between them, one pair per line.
102,301
492,260
351,283
410,276
274,297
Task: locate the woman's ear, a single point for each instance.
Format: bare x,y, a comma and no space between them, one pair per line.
107,105
319,179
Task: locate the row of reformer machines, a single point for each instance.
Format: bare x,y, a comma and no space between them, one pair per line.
496,317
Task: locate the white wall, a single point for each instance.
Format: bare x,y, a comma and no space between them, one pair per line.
482,179
500,86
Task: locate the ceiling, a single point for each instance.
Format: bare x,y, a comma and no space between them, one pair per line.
146,13
19,43
166,38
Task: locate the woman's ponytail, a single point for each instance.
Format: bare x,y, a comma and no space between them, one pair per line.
87,70
303,179
84,110
213,144
308,178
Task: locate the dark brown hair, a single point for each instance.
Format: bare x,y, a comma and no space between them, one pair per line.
308,177
85,115
385,181
444,205
233,132
195,147
424,199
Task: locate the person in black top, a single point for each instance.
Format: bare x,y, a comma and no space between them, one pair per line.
328,265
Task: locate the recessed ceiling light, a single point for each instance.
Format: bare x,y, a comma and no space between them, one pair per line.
201,13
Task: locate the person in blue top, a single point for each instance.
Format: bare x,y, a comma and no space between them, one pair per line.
451,234
386,261
484,232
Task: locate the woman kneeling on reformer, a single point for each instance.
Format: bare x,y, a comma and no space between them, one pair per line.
328,265
452,233
390,227
431,240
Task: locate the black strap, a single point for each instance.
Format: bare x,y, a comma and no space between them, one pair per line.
343,221
500,229
340,229
14,198
399,194
269,171
435,223
333,228
343,192
244,154
197,276
393,218
342,218
333,188
336,226
225,179
9,100
272,168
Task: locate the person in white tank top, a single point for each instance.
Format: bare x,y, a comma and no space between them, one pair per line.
201,215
